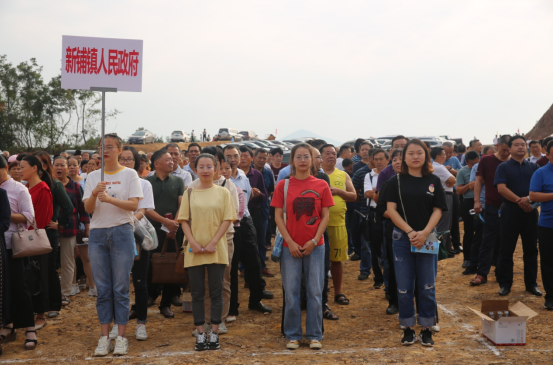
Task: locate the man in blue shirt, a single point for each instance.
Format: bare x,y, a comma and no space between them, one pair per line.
541,191
517,217
246,245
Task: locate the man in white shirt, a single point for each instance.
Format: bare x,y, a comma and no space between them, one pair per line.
448,181
536,151
175,151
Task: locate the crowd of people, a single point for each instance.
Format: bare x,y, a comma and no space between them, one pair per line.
397,212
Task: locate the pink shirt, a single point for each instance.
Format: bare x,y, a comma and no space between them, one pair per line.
20,203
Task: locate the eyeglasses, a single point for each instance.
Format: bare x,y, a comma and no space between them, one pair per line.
106,149
126,160
301,158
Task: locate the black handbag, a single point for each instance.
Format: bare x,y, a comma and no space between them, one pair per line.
32,277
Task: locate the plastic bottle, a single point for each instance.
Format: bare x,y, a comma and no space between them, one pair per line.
499,314
491,314
506,313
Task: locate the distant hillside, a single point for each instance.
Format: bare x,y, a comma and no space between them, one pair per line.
543,128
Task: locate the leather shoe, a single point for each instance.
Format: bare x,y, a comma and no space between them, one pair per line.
133,314
150,302
267,273
534,291
167,313
504,291
479,280
465,264
260,307
176,301
392,309
267,295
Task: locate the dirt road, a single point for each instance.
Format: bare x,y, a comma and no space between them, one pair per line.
364,333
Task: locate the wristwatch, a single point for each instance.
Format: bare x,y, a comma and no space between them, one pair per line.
314,241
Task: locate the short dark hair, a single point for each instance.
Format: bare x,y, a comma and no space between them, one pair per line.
505,139
535,142
365,143
396,153
259,150
380,150
346,162
397,138
549,147
357,144
487,148
276,150
3,161
471,155
136,156
325,146
174,145
343,148
243,149
472,142
156,156
513,138
462,148
77,153
545,141
214,151
436,151
194,144
205,155
83,163
231,146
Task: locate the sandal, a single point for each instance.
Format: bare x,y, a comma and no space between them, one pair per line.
327,314
65,301
53,314
342,299
38,327
479,280
34,342
9,338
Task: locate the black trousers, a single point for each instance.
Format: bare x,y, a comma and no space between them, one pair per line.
375,244
469,227
513,223
21,314
54,285
168,291
545,248
392,288
271,226
455,226
140,283
246,252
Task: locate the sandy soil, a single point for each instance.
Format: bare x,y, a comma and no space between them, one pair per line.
364,333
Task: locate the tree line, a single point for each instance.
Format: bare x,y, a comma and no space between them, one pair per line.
35,114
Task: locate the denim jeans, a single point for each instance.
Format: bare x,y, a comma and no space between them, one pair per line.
365,249
112,253
314,271
408,266
491,234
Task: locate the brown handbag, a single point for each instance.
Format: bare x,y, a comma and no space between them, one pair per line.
163,266
180,263
32,242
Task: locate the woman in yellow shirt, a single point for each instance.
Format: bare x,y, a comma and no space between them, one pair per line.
213,211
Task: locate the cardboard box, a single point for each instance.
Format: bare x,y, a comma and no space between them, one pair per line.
504,331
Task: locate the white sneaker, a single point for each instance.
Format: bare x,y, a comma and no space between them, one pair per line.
121,346
104,346
435,328
93,292
140,333
114,332
222,330
231,319
74,290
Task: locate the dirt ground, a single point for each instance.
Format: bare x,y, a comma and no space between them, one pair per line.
153,147
363,334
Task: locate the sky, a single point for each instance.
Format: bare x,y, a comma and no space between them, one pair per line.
343,69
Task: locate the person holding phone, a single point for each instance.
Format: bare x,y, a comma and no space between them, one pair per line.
415,201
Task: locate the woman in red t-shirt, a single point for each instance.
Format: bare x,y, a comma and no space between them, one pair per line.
39,183
308,202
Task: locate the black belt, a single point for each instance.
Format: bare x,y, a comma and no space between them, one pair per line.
449,193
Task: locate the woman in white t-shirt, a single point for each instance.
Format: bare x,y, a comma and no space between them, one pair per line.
130,158
111,243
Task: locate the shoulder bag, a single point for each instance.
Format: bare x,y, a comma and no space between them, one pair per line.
278,247
432,243
32,242
180,263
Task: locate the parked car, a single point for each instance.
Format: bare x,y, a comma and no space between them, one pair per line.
143,137
248,135
457,140
227,134
286,157
180,136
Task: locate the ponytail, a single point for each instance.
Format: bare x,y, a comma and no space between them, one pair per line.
43,174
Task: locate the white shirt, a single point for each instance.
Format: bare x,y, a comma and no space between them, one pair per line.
147,201
533,159
443,174
179,172
123,185
192,173
242,182
338,164
20,203
370,183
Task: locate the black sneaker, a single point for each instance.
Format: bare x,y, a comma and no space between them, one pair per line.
548,305
409,337
201,342
355,257
213,344
363,276
426,337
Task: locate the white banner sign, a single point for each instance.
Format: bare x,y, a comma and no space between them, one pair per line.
101,62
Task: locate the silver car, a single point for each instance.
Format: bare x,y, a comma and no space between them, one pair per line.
142,137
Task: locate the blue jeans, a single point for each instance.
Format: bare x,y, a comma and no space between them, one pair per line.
112,253
361,244
314,271
408,266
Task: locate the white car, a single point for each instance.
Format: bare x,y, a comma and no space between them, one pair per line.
180,136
